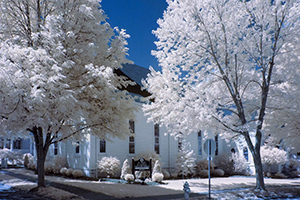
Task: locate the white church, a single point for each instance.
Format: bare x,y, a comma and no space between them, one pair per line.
148,137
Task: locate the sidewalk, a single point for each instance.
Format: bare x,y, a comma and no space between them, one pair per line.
221,187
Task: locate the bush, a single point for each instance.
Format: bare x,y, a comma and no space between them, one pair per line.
240,163
225,163
125,169
129,178
203,165
48,167
63,171
156,168
109,165
77,173
26,160
14,157
166,174
58,162
203,173
218,173
157,177
69,172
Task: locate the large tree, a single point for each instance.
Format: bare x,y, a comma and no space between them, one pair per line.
57,60
217,59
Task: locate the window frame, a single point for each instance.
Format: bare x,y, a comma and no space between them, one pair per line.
156,139
131,140
102,146
199,138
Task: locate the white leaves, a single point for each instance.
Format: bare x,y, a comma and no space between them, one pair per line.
62,73
215,58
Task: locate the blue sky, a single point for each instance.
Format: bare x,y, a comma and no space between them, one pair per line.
139,18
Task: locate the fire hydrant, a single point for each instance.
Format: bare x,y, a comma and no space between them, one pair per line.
187,191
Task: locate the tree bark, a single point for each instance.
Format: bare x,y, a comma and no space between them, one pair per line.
41,150
260,184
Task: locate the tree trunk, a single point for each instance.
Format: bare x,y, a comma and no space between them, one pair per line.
260,184
255,151
41,150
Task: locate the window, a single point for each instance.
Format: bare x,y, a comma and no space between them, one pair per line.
245,151
179,143
102,146
131,138
1,143
156,138
55,148
7,144
199,143
77,148
217,144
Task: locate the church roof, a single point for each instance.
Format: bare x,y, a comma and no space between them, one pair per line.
135,72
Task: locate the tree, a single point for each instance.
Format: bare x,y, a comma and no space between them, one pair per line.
217,60
282,122
185,163
57,60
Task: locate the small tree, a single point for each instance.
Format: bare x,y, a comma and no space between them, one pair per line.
272,155
125,169
185,163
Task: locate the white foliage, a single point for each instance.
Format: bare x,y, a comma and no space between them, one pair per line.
57,62
185,163
272,155
156,168
109,165
220,59
77,173
15,157
125,169
129,178
157,177
240,162
63,171
69,172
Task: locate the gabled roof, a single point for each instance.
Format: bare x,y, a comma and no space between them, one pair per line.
134,73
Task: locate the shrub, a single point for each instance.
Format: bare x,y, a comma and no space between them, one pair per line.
15,157
185,163
63,171
129,178
203,173
77,173
225,163
240,163
272,155
69,172
109,165
58,162
203,165
218,173
166,174
48,167
290,169
156,168
125,169
157,177
26,160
